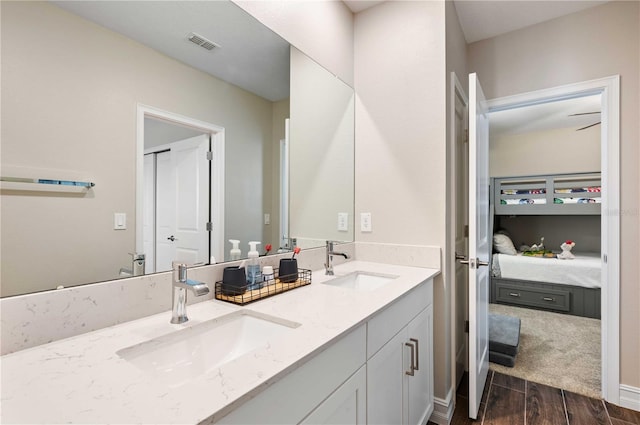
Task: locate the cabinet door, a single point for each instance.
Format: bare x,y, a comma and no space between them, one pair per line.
385,382
420,385
346,405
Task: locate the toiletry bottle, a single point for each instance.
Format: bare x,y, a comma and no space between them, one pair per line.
267,275
235,251
254,277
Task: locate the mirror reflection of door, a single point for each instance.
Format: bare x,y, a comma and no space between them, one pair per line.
176,203
284,189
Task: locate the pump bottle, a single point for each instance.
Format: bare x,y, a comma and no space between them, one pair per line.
254,277
235,253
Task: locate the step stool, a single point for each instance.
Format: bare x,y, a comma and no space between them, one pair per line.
504,339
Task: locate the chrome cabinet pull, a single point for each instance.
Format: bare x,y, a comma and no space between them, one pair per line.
514,294
411,371
417,352
548,299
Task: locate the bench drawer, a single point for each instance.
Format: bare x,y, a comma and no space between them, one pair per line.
550,299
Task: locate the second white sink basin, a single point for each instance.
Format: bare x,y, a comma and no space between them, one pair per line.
361,281
180,356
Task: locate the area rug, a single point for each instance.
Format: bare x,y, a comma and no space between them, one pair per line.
558,350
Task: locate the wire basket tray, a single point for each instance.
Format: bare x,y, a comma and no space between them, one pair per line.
270,288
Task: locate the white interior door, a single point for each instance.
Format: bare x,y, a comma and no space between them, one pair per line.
191,168
164,212
284,188
479,244
182,203
461,181
149,222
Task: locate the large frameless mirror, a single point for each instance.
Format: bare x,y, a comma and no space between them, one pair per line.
197,125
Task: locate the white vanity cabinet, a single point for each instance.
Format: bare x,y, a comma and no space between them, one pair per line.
329,388
400,373
362,377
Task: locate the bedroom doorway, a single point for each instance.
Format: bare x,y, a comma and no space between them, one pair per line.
608,88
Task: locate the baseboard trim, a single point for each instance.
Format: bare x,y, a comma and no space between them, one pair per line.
443,409
630,397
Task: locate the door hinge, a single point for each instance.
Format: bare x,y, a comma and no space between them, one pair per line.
604,258
466,230
466,136
209,156
209,227
466,326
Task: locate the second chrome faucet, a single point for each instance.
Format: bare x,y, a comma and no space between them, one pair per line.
328,265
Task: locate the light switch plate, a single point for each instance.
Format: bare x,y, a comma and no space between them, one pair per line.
365,222
343,222
267,219
119,221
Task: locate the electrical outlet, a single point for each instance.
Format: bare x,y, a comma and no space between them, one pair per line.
365,222
343,222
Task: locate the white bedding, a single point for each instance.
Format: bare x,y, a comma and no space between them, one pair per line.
584,270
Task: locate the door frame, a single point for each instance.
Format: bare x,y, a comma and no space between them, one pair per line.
217,134
609,88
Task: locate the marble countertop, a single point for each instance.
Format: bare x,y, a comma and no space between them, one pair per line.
83,380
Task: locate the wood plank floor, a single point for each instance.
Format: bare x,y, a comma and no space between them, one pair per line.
508,400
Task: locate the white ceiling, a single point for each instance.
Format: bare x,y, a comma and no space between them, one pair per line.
546,116
251,56
481,19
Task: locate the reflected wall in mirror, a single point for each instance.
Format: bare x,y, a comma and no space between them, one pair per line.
71,89
322,155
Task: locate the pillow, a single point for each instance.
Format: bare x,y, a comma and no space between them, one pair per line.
502,244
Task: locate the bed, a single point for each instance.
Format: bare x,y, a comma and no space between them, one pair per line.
564,286
567,286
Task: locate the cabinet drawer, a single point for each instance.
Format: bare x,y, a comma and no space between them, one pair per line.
551,299
384,325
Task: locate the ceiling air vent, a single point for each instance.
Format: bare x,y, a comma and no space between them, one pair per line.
202,42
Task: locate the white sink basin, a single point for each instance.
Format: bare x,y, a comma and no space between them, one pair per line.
361,281
180,356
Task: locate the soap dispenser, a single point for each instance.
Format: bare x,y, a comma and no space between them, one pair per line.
254,277
235,250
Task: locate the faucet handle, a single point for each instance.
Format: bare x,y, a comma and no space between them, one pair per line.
179,271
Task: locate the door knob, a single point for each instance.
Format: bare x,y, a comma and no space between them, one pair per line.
171,238
461,257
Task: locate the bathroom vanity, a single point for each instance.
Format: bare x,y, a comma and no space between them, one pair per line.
351,348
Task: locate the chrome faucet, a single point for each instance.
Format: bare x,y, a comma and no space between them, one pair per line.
137,263
328,265
179,296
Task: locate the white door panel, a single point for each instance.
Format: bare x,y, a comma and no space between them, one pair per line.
192,199
479,244
149,222
165,212
182,203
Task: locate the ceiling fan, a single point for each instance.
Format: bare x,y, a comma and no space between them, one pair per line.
587,113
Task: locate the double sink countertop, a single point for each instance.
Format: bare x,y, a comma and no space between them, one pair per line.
104,377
